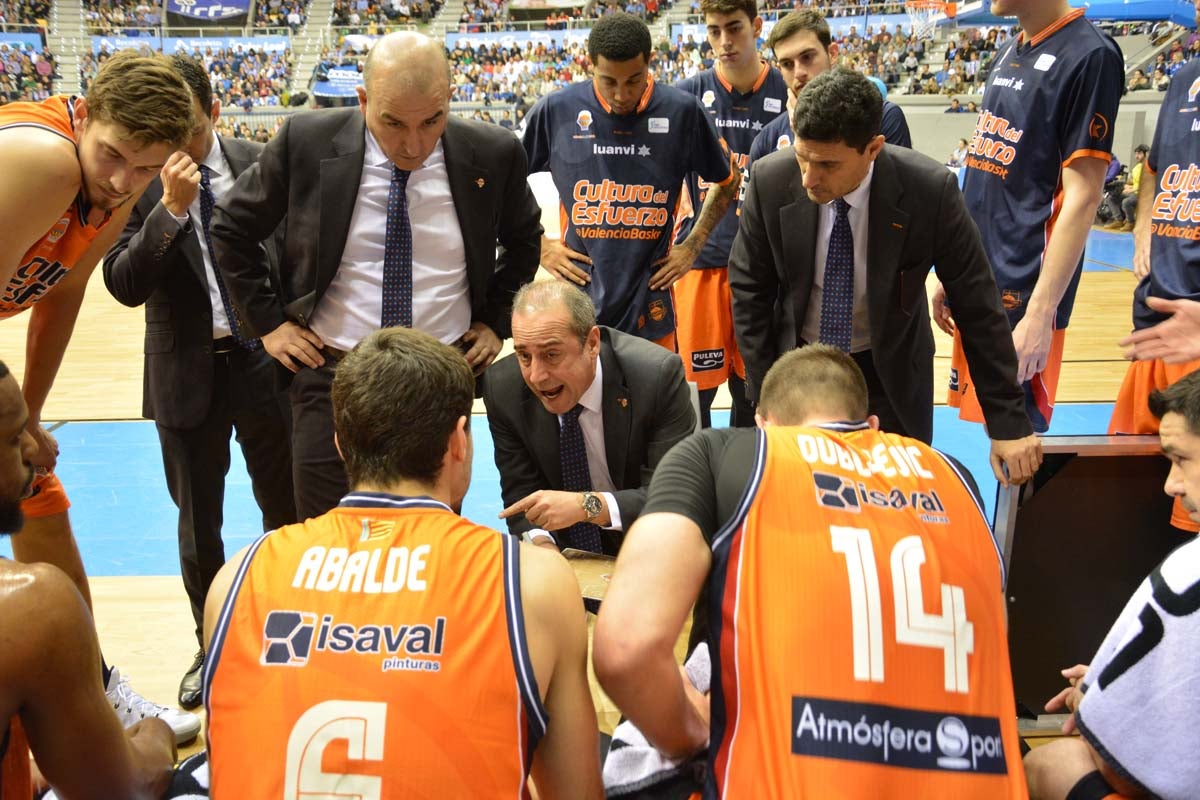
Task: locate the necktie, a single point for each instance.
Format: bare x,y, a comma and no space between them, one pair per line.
837,293
572,456
207,201
397,256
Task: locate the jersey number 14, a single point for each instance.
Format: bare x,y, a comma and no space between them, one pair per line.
951,631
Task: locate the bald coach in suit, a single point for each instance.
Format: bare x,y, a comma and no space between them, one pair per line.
394,212
580,416
836,238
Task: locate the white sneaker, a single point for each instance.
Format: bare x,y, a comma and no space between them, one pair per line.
131,707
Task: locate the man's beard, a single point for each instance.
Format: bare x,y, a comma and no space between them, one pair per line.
11,517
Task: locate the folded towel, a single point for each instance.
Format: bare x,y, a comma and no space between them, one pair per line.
634,765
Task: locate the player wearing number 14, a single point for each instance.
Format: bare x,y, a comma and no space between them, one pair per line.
858,629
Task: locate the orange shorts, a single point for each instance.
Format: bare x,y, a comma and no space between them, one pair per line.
704,327
1131,412
667,341
47,497
1039,392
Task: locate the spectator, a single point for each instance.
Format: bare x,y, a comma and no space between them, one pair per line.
958,157
954,108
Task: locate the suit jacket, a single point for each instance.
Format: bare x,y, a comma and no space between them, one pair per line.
157,263
917,219
310,172
647,409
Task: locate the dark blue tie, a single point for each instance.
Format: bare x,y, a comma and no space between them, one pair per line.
837,291
207,201
397,256
572,456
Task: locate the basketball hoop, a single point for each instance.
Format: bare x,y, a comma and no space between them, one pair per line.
925,15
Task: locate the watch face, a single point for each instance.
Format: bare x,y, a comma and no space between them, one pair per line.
591,505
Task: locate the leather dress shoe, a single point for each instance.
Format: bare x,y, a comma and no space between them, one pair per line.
191,688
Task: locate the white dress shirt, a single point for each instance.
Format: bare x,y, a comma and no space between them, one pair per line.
859,200
221,181
591,422
352,306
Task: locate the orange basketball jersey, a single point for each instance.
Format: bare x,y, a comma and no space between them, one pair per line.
52,256
375,651
862,639
14,763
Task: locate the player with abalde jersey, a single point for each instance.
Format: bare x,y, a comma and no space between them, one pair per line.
618,148
741,94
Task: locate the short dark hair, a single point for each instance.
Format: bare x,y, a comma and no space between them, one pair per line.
397,397
1181,397
194,75
802,19
619,37
1141,148
839,105
3,369
747,7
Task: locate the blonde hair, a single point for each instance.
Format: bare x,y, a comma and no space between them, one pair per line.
145,96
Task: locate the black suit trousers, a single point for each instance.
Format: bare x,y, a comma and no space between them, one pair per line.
196,461
318,473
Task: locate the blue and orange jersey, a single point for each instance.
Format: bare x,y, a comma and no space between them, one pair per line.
52,256
739,118
375,651
14,762
619,179
861,638
1175,216
778,133
1050,100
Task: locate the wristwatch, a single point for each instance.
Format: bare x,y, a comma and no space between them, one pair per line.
592,505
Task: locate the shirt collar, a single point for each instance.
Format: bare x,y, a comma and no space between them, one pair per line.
374,156
593,397
861,196
215,160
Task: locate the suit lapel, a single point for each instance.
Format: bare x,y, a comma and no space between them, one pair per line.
543,436
886,230
616,412
467,177
340,176
798,232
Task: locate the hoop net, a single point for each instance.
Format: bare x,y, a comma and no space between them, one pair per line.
924,15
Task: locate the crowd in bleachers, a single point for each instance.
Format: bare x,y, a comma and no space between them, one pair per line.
241,77
1158,74
382,13
241,129
127,17
25,12
280,14
842,8
25,74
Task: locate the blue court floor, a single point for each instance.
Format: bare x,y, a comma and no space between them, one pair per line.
125,521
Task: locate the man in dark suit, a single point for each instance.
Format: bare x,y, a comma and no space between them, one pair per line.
394,211
203,377
580,417
836,238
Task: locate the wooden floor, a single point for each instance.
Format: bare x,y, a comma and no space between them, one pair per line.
144,623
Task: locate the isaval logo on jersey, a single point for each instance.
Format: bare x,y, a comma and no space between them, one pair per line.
290,638
844,494
658,125
772,105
